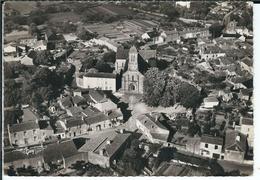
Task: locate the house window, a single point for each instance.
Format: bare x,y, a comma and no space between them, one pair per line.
15,135
16,142
133,78
216,146
24,133
206,145
34,138
34,131
25,141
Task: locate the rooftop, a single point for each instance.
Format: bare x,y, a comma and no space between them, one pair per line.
25,126
235,140
101,75
212,140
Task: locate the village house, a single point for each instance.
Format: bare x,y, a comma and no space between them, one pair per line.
210,102
101,102
235,146
153,36
245,94
154,130
101,81
211,147
25,133
246,126
63,154
226,95
18,159
75,127
109,151
211,52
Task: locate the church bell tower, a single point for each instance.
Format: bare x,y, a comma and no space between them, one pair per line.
133,59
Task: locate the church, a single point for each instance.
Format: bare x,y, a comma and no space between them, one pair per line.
132,78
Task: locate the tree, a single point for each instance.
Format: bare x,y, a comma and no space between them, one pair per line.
37,100
101,66
154,83
216,30
88,63
43,58
109,57
83,34
12,93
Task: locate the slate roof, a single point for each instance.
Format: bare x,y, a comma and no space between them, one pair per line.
97,96
149,122
25,126
57,151
247,121
122,53
66,101
231,142
28,115
101,75
13,156
117,142
17,155
74,123
147,54
212,140
99,117
78,99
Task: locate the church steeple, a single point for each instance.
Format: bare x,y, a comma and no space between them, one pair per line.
133,59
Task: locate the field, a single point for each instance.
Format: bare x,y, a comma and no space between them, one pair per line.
16,35
64,16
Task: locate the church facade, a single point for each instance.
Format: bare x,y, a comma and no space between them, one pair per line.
132,79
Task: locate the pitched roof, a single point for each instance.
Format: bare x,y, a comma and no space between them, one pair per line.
28,115
122,53
13,156
150,122
247,121
212,140
117,142
101,75
18,155
235,140
78,99
97,96
56,151
66,101
25,126
147,54
99,117
74,123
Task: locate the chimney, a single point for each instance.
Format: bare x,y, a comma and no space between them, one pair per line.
108,142
156,117
238,138
101,152
234,124
122,131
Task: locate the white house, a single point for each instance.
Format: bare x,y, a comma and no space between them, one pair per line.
247,128
152,128
210,102
100,101
211,147
101,81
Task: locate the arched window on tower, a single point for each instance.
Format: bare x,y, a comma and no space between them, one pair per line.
133,78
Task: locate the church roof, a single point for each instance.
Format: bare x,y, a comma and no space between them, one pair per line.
133,50
122,53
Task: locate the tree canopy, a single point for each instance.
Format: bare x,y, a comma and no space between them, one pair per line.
164,90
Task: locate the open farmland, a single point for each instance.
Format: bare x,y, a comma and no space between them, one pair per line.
64,16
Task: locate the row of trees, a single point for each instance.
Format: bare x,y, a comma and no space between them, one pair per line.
160,89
